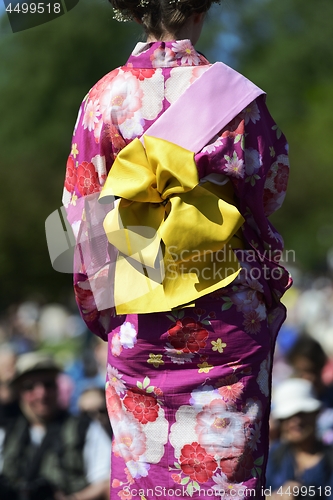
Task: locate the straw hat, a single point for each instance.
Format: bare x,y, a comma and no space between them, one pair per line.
33,362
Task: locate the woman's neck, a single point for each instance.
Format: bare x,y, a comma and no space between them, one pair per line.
166,37
190,31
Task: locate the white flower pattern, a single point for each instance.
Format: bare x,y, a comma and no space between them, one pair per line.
128,335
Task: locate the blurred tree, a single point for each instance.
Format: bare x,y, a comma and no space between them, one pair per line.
45,73
287,50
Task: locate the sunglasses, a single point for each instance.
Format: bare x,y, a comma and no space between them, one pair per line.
30,385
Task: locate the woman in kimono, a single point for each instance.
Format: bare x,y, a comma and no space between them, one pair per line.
183,280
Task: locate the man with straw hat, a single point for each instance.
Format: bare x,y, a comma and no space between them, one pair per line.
48,453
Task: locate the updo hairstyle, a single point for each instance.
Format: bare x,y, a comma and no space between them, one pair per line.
159,16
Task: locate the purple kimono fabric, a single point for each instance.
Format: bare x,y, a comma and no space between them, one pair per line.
188,391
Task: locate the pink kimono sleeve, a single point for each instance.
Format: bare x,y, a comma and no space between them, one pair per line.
265,136
89,161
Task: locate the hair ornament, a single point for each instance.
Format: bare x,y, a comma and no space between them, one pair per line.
120,16
144,3
174,2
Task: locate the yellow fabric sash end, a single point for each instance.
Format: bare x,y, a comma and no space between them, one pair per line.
174,236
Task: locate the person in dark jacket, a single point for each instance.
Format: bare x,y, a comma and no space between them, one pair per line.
48,454
299,463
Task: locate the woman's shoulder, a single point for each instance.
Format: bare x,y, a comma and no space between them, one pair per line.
102,85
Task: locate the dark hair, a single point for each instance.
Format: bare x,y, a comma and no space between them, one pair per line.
307,347
158,16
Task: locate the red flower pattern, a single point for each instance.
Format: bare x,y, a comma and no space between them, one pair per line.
188,335
143,406
140,73
252,322
102,84
129,477
113,402
125,494
237,468
281,178
70,180
86,302
230,388
87,179
197,463
115,137
267,195
116,483
234,128
228,465
199,311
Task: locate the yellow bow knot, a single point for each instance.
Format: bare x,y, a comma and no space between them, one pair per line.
173,234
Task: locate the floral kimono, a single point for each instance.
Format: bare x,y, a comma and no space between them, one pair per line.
188,389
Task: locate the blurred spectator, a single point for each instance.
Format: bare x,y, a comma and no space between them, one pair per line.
308,359
28,324
9,407
313,311
27,315
22,326
92,403
56,324
7,371
89,371
49,454
299,463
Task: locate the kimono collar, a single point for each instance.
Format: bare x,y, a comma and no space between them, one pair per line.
165,55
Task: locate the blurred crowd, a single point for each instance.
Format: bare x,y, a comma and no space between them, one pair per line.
301,426
52,379
55,435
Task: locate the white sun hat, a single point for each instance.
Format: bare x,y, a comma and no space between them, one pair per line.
293,396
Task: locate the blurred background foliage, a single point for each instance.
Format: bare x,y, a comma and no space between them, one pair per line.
285,47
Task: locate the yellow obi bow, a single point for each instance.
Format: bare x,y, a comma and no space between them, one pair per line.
174,236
